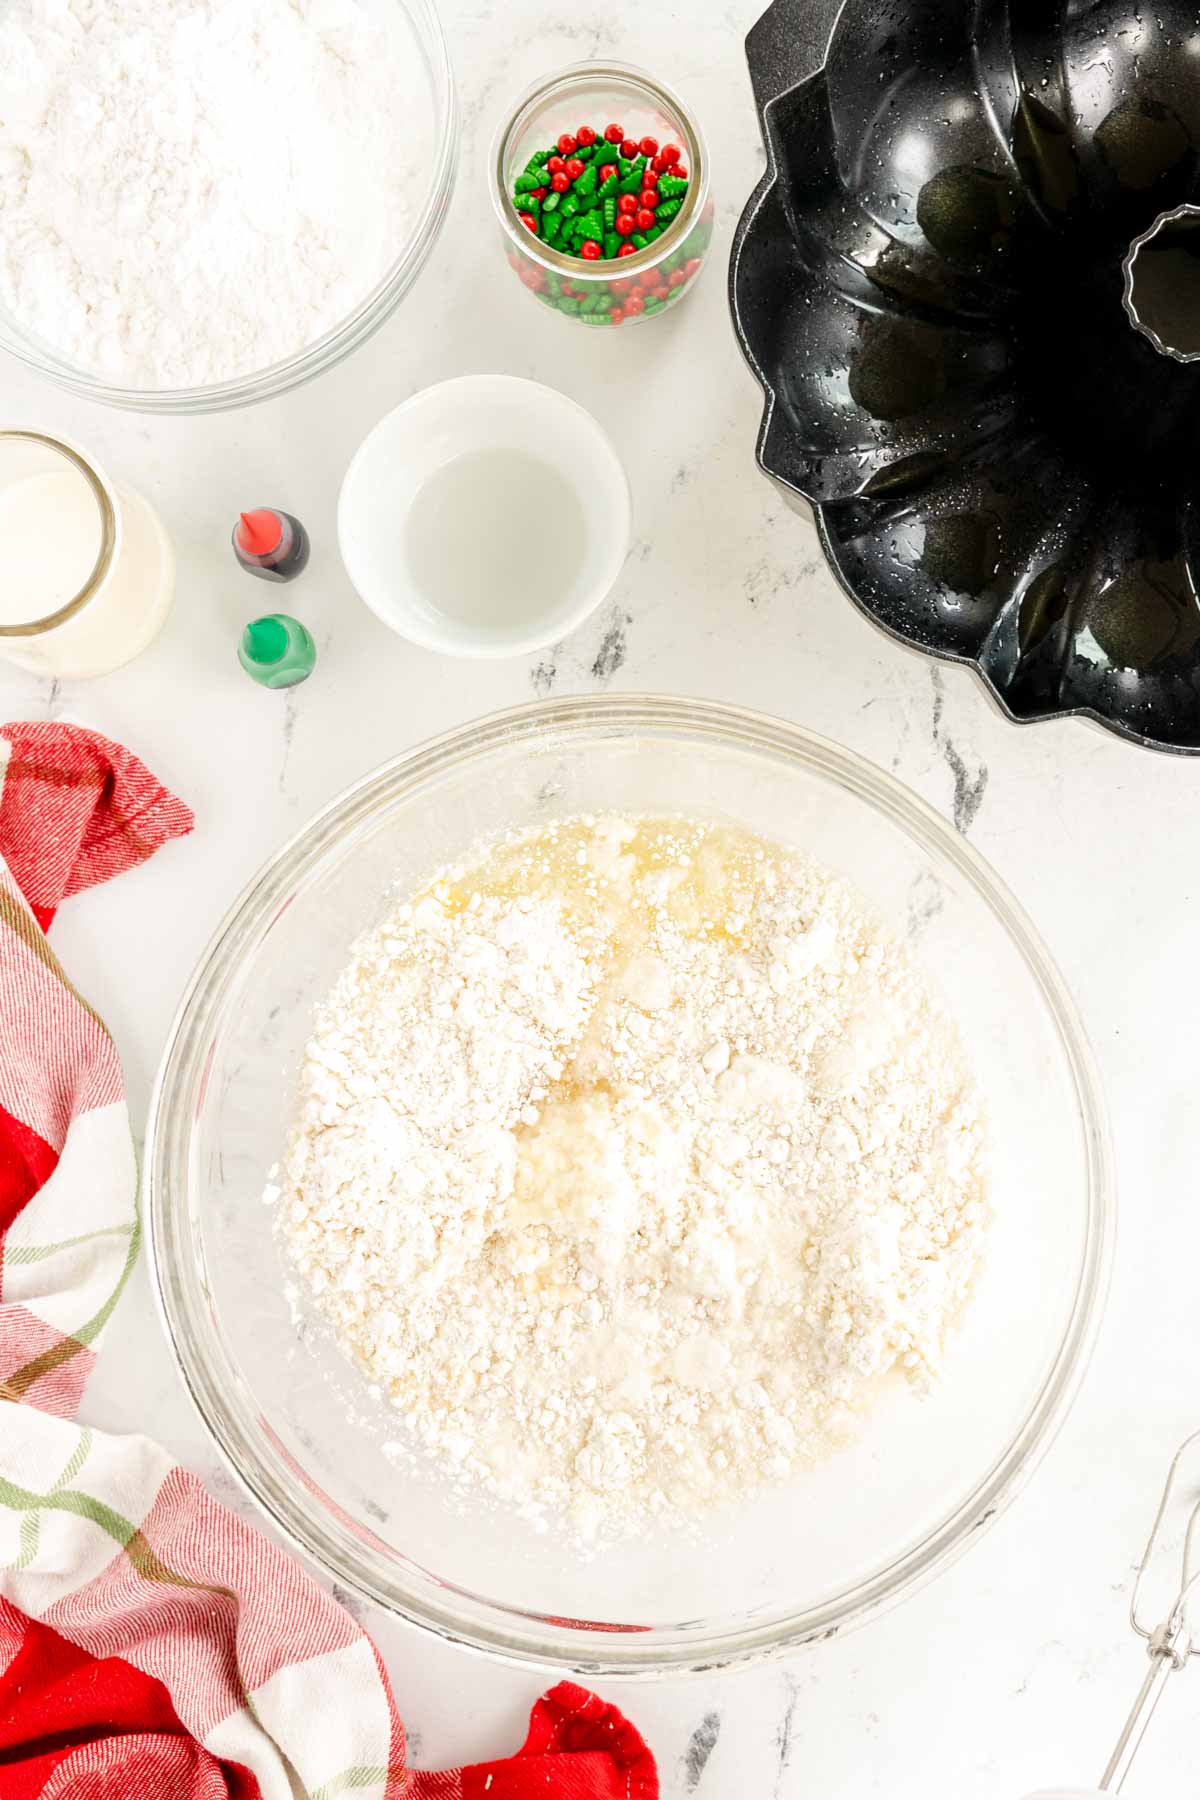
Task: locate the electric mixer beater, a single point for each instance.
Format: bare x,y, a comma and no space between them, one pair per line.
1168,1644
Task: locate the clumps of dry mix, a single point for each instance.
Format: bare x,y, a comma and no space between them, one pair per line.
630,1162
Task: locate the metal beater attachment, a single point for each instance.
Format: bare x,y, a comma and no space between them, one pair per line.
1168,1644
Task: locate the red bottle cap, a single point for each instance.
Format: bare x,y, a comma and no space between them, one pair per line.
259,532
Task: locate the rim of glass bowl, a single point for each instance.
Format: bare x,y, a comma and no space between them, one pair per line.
372,312
107,515
344,1551
552,87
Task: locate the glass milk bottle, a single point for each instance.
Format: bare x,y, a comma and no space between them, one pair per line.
87,573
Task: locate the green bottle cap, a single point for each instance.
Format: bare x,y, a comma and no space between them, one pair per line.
277,651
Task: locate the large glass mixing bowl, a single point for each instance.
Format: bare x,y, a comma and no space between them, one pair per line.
437,129
797,1563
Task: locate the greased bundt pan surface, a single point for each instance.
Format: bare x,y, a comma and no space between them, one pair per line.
969,284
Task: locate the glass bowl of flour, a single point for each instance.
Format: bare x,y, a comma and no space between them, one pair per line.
628,1188
204,204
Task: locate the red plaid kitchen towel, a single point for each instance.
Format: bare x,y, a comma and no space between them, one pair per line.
152,1646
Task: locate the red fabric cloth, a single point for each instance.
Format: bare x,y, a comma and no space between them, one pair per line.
26,1162
79,1727
75,1723
77,809
578,1748
88,1727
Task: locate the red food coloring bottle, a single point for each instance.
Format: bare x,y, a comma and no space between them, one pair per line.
271,544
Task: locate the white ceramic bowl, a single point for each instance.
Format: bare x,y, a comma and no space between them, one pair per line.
432,429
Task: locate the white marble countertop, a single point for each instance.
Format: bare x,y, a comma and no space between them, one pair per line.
1015,1668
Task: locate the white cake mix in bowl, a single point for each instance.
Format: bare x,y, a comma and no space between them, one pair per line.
631,1159
196,192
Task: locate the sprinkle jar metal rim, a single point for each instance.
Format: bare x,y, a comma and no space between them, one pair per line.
606,269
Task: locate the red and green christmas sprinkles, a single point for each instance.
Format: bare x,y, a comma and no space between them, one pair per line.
601,196
646,292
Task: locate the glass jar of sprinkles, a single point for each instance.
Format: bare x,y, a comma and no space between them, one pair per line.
600,184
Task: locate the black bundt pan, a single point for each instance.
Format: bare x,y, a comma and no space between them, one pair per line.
975,345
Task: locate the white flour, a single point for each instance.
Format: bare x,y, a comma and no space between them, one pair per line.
629,1163
191,190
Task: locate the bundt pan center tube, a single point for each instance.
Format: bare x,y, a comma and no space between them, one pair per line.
969,285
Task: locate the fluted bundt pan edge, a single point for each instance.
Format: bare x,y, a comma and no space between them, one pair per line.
969,285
